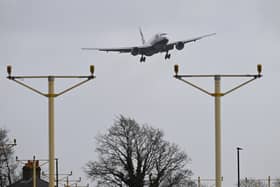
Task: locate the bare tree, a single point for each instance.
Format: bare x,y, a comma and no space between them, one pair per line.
7,164
136,156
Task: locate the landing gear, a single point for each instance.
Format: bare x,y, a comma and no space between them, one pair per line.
167,55
142,59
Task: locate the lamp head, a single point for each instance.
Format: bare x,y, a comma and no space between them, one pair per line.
176,69
9,70
259,68
91,69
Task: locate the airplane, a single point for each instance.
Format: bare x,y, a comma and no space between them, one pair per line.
158,44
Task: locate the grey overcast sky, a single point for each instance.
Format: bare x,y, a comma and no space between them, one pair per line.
44,38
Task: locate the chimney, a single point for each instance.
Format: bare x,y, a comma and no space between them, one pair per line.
27,170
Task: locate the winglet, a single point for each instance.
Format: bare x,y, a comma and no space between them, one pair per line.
142,36
209,35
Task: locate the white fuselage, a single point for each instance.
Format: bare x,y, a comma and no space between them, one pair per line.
158,43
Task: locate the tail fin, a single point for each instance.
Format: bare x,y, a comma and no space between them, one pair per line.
142,36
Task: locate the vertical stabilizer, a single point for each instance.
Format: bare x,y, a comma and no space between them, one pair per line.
142,36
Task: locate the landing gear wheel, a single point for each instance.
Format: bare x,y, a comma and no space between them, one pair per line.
142,59
167,56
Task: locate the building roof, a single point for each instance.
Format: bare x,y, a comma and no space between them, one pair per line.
27,176
29,183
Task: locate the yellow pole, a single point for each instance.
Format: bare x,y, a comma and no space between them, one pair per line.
218,130
67,182
51,130
34,172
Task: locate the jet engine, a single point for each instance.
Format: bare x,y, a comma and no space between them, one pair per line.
180,45
135,51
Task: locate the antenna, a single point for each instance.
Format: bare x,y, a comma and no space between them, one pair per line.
142,36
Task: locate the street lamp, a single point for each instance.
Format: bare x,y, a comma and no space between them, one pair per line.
50,95
238,166
217,94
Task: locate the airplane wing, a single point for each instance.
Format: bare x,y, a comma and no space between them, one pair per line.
121,50
140,49
172,44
